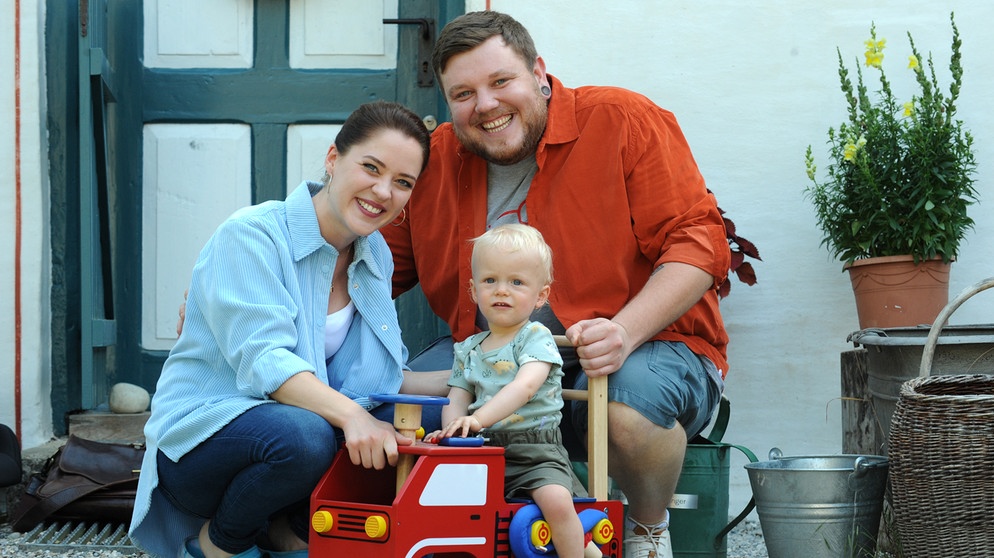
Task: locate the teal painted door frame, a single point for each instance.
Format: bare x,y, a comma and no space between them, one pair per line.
96,90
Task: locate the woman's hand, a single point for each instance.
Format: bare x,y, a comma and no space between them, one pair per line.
372,443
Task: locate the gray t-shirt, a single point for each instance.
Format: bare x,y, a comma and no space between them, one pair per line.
507,189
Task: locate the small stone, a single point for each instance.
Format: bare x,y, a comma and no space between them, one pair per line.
128,398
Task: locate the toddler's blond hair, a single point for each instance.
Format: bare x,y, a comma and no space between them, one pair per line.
514,237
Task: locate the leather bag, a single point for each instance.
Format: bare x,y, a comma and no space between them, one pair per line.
84,481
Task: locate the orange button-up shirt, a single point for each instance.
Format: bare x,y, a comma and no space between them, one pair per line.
617,194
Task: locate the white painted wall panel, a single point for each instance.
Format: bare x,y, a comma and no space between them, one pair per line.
198,34
195,175
342,34
307,146
752,85
25,338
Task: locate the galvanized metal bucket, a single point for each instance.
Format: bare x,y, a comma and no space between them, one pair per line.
821,505
894,356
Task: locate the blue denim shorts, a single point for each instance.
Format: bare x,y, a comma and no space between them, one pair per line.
666,383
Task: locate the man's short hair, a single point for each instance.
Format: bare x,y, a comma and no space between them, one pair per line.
468,31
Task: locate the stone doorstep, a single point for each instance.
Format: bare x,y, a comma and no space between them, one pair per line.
104,426
91,425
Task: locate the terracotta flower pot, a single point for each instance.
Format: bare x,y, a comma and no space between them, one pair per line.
894,291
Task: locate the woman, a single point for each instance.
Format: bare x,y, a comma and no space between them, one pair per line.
289,326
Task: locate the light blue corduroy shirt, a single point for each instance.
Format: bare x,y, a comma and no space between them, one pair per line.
255,317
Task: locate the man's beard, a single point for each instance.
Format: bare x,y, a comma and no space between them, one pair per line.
534,127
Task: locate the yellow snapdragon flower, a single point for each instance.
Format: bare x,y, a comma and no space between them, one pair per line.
912,62
852,148
875,52
849,152
875,59
909,108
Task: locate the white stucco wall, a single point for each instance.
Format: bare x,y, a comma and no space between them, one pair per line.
753,84
33,347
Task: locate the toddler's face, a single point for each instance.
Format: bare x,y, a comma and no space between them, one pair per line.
508,286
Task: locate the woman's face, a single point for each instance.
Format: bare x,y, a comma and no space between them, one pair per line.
369,185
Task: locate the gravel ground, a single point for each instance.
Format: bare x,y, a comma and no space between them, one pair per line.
745,541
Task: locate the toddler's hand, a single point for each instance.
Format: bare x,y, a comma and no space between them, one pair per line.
462,427
433,437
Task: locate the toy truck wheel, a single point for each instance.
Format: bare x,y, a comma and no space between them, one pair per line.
521,530
598,525
541,534
602,532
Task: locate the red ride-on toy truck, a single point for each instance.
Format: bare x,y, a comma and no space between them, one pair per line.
448,501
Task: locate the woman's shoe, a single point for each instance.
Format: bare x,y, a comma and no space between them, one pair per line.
191,549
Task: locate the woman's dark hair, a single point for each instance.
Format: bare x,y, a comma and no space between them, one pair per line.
372,117
468,31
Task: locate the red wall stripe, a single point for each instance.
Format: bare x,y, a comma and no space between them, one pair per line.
17,217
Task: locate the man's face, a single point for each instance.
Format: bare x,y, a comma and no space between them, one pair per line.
498,111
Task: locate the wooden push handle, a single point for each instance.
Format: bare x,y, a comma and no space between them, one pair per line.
596,397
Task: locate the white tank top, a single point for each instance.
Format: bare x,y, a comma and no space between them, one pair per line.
336,325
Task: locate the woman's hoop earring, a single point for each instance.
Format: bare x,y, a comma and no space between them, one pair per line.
546,91
403,217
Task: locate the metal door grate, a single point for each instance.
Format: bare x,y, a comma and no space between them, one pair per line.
78,536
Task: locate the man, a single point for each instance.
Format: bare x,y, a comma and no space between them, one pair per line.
639,246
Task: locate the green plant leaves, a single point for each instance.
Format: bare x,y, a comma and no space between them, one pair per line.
901,172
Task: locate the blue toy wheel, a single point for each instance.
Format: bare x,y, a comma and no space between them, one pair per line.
519,533
596,523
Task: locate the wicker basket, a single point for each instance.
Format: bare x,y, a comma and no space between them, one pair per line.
941,452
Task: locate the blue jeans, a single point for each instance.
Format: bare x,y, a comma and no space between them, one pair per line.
264,463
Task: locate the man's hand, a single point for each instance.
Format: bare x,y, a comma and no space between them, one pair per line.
426,383
182,314
601,344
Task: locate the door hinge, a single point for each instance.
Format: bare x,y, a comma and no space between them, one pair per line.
425,43
84,16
